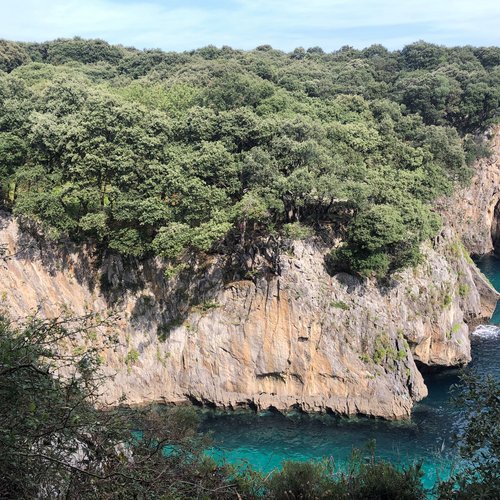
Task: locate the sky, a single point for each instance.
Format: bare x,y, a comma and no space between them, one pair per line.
245,24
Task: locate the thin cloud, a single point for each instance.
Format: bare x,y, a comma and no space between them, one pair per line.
285,24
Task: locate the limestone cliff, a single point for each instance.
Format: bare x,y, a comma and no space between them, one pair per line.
474,212
295,338
288,336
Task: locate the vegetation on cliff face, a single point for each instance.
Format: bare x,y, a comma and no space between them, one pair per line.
161,153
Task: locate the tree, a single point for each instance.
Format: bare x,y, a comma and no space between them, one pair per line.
479,440
422,55
12,55
116,146
54,443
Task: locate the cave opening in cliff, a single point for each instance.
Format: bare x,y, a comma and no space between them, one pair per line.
495,229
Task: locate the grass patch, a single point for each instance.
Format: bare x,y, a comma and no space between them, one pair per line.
447,300
206,306
131,358
454,329
338,304
297,231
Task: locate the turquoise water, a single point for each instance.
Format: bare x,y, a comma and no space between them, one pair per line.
266,440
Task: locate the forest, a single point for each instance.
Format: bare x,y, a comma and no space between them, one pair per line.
146,152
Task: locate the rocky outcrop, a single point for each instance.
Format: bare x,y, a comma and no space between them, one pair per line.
474,211
292,338
288,336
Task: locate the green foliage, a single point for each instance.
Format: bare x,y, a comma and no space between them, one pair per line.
379,479
55,444
206,306
479,441
173,271
365,263
463,290
76,49
384,352
384,237
476,147
380,352
297,231
338,304
132,357
12,55
171,240
158,153
454,330
305,480
447,300
252,207
372,479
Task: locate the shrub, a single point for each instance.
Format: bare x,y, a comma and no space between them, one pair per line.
338,304
447,300
304,480
479,440
132,357
297,231
383,480
360,480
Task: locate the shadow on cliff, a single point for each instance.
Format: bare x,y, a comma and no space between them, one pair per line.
153,299
358,284
161,301
141,285
495,229
60,256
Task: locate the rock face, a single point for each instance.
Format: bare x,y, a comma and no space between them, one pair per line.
475,211
299,338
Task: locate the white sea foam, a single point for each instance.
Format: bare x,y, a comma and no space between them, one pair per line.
486,331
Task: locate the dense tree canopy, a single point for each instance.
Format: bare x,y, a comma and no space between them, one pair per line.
152,152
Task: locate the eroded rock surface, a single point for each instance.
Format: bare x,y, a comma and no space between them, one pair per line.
474,211
297,339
